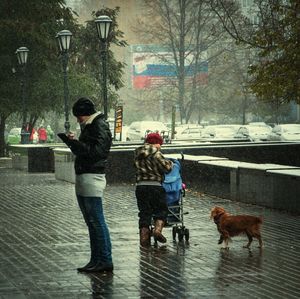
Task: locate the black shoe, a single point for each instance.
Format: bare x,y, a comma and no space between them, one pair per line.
221,240
87,266
100,267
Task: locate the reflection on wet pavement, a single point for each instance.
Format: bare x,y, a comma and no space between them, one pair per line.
44,239
101,285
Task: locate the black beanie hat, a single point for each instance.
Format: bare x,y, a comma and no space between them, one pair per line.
83,107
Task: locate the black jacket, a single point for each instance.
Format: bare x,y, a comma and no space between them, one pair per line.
93,146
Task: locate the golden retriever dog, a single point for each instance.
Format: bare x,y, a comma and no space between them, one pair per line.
230,226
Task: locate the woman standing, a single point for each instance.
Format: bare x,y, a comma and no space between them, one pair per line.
91,151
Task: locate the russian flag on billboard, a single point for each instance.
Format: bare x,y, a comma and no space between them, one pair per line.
154,66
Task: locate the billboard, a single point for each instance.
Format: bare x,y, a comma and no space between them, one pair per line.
154,66
118,119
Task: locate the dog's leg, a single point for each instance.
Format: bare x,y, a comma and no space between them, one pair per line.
226,240
221,239
221,235
258,236
249,240
225,236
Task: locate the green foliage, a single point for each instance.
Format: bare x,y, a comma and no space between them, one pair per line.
272,29
89,48
276,76
34,24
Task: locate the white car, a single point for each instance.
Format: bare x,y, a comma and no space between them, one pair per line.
218,133
285,132
139,129
188,132
258,124
253,132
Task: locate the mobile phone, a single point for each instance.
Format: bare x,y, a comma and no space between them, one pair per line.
63,137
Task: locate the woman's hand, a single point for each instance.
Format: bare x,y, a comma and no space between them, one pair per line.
71,135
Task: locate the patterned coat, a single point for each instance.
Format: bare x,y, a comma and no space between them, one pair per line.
150,164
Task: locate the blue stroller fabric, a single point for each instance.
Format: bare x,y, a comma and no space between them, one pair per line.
173,183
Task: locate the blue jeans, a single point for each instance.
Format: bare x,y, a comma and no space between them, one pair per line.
92,211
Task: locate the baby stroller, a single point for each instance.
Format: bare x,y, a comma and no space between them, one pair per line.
175,191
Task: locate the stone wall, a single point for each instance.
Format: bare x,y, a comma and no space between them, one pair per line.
32,158
41,159
277,153
5,162
121,168
259,181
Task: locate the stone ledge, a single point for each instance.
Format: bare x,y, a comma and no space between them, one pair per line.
5,162
32,157
265,184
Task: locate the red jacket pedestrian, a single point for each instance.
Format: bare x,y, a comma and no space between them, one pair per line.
42,134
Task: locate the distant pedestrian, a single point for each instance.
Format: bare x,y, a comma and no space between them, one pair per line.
42,134
151,196
50,134
25,133
32,134
91,151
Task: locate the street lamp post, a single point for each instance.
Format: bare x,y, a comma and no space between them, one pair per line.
103,25
175,108
22,55
64,40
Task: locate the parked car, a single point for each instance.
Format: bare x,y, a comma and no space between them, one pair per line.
285,132
188,132
14,136
253,132
218,133
258,124
138,129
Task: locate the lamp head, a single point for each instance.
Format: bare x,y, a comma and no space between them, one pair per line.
22,55
103,25
64,40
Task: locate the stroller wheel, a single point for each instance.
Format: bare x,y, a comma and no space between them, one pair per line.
187,234
174,231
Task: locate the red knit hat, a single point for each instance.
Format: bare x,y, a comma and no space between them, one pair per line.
154,138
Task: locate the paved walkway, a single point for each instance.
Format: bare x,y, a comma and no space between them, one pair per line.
43,239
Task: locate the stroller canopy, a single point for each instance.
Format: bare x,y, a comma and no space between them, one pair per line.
173,183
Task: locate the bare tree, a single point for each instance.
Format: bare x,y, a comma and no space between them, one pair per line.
188,28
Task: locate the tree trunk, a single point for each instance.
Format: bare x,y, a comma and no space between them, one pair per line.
2,135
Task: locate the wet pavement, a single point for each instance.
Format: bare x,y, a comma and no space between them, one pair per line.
43,239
